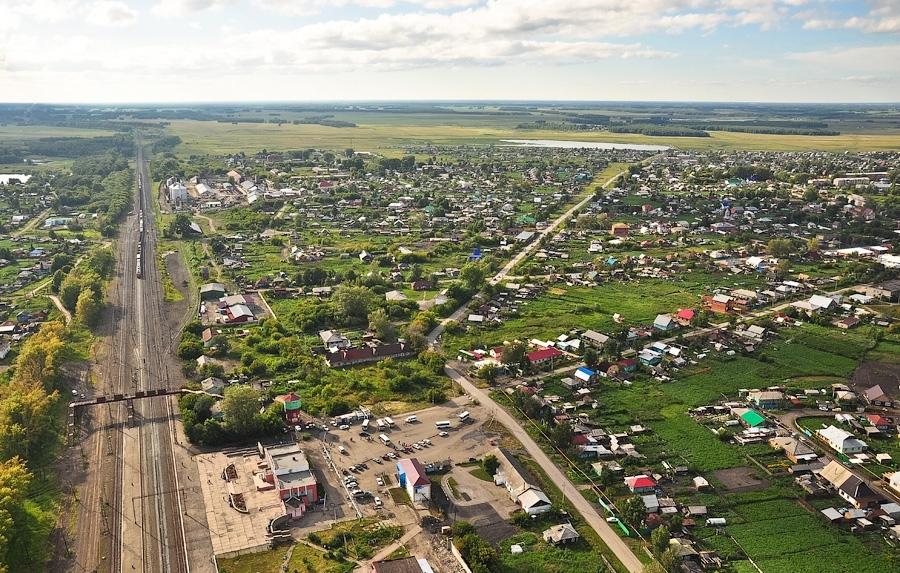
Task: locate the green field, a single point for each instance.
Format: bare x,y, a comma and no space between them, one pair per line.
388,135
25,132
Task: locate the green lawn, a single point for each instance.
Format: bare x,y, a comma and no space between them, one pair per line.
303,558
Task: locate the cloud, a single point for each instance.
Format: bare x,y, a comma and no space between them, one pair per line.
882,17
110,13
174,8
859,61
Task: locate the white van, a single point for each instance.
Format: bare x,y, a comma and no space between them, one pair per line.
384,439
411,419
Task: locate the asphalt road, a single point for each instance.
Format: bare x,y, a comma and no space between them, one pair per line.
572,494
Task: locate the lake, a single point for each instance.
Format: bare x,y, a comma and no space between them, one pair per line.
5,177
563,144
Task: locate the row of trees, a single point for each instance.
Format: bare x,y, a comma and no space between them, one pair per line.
29,436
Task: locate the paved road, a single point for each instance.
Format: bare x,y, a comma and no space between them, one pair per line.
463,311
572,494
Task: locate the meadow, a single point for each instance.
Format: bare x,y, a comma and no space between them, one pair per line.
390,134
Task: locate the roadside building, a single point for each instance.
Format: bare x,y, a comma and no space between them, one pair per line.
411,476
849,486
519,484
561,534
402,565
288,470
212,291
291,404
841,440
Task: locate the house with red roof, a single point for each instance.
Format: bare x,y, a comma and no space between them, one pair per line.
880,422
641,484
411,476
543,355
684,316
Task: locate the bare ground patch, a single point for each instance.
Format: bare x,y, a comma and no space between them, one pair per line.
740,479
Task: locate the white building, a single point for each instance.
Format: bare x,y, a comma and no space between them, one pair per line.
841,440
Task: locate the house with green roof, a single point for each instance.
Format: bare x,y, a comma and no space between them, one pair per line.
752,419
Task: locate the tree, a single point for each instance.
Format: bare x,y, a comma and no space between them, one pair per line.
14,482
381,325
514,354
472,275
779,248
634,511
462,528
190,348
488,373
58,278
241,409
561,435
668,560
490,464
812,245
353,302
60,260
659,540
87,309
590,357
478,553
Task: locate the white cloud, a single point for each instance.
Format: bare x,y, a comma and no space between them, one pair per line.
174,8
883,17
110,13
859,61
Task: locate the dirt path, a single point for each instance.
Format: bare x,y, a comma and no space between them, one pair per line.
572,494
32,224
212,225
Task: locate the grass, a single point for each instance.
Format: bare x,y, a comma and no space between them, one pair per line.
20,132
359,538
303,558
481,474
388,133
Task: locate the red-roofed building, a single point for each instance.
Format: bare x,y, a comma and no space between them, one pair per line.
543,355
641,484
684,316
880,422
411,475
291,404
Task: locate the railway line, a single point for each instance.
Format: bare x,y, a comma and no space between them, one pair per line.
130,505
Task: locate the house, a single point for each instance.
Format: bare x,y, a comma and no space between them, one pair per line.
543,355
619,230
365,256
585,374
752,419
795,450
841,440
208,335
848,323
519,484
561,534
239,313
288,470
351,356
333,340
411,476
594,338
767,399
664,323
402,565
719,303
894,482
880,422
887,290
641,484
819,302
213,385
649,358
850,487
879,396
212,291
291,404
524,236
684,316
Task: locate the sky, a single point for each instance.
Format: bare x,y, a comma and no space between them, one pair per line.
130,51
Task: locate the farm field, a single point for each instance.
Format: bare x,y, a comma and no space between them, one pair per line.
9,133
207,137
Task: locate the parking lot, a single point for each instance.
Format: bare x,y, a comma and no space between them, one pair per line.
461,442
